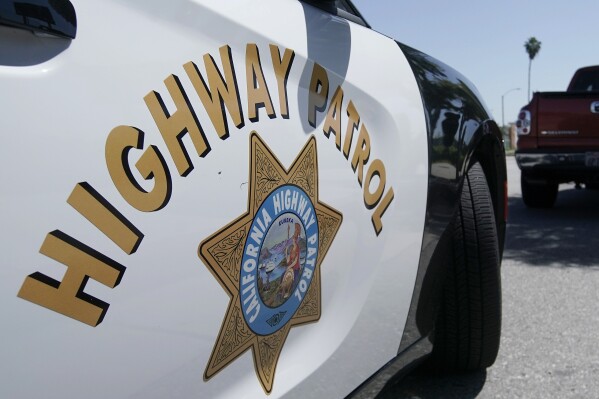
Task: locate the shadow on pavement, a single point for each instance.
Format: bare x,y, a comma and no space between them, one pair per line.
420,385
563,236
566,235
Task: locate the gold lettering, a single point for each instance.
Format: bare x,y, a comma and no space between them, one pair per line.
380,210
377,168
223,93
282,67
67,296
95,208
361,153
174,127
332,122
319,93
151,165
352,124
258,94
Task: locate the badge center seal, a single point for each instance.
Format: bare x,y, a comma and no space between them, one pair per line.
279,259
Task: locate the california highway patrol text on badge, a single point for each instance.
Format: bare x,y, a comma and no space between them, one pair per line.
268,260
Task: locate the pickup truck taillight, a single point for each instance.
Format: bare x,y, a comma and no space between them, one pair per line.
523,123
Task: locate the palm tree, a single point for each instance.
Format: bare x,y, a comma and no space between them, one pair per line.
532,46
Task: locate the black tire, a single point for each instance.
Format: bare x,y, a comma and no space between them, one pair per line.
468,326
538,195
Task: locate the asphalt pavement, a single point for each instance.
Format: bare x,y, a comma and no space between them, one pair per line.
550,333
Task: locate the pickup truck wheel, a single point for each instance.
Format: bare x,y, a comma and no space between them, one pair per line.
468,326
538,195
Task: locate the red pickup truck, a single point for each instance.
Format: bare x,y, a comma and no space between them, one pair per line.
558,139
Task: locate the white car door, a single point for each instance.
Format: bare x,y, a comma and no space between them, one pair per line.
243,182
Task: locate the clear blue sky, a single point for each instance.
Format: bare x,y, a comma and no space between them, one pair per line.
484,40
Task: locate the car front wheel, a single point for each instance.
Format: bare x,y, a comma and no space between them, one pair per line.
468,326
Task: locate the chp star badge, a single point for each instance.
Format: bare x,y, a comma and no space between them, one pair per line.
268,260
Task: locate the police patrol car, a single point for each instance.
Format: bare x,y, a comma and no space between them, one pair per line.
238,198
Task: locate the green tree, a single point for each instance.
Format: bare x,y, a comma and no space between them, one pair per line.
532,46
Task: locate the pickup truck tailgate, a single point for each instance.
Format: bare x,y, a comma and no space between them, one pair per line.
567,118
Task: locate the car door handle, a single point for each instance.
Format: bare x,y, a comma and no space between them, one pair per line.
52,17
595,107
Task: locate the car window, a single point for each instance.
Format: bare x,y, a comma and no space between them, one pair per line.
342,8
342,5
346,6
